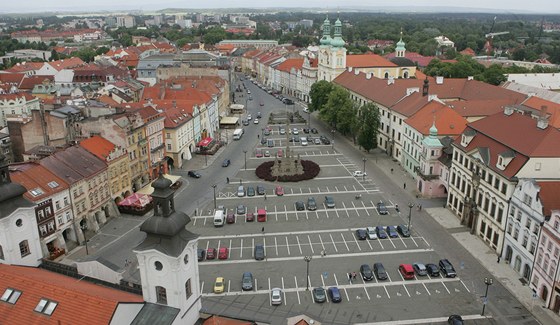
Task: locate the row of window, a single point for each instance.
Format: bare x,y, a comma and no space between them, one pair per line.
546,264
513,230
161,293
45,306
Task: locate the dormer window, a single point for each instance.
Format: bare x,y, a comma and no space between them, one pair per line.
467,137
504,159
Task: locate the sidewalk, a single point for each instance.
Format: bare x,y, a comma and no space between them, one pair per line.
473,244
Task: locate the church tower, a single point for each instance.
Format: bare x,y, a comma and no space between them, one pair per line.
332,55
400,50
167,258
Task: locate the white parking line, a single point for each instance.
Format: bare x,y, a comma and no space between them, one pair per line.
344,240
228,285
408,293
264,246
345,210
219,242
414,241
369,243
380,243
297,292
202,287
299,245
256,285
335,279
287,245
465,286
428,291
310,245
253,245
367,294
332,240
346,293
387,291
276,245
321,240
446,288
284,291
229,248
391,240
269,296
356,241
276,212
306,215
241,250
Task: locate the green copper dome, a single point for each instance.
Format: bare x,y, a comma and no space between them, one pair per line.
326,39
337,40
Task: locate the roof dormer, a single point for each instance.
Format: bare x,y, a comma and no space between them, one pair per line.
504,159
467,137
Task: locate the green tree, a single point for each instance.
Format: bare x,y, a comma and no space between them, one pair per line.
214,35
319,94
339,110
369,126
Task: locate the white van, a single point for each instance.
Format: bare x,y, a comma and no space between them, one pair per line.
219,218
237,134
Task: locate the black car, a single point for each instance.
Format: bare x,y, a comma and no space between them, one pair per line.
314,131
259,252
381,233
325,140
241,209
433,270
300,206
226,162
403,230
194,174
245,122
260,190
381,208
250,191
361,234
319,294
247,281
200,253
447,268
335,295
306,130
264,140
366,272
379,271
455,320
311,204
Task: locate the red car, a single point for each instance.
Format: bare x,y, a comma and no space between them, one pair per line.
230,218
250,217
259,153
223,253
279,190
211,253
407,271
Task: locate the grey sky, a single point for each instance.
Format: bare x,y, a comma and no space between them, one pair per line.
540,6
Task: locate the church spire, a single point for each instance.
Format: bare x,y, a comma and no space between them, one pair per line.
400,50
337,40
326,39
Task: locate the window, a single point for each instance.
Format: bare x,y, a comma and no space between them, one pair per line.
532,247
516,233
528,224
161,295
46,306
11,296
527,199
525,240
510,228
188,289
496,238
24,248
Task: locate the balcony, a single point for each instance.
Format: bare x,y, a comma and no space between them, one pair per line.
423,176
142,142
156,148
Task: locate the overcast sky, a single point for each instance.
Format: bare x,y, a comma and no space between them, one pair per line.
531,6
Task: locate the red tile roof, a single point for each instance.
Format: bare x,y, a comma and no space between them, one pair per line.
12,78
32,176
549,196
552,109
27,96
289,64
79,302
26,66
474,108
367,60
29,82
69,63
219,320
447,121
98,146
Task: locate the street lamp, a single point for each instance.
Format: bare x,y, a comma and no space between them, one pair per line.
245,152
332,131
410,206
488,282
84,227
308,118
364,174
214,187
307,259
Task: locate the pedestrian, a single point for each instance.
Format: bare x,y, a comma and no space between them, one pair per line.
322,253
262,230
420,207
227,180
349,277
258,136
265,196
404,185
499,257
353,275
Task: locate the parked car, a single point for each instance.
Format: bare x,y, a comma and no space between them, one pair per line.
194,174
361,234
300,206
258,153
403,230
259,115
379,271
317,141
381,208
261,103
296,139
264,140
420,269
335,295
392,231
295,131
247,281
266,132
329,202
226,162
276,296
200,254
280,153
282,131
455,320
270,143
311,204
210,253
241,209
433,270
219,285
256,121
223,253
447,268
249,117
314,131
267,153
245,122
371,233
260,190
250,217
407,271
319,295
325,140
359,173
259,252
381,234
240,191
304,141
250,191
366,272
230,218
279,190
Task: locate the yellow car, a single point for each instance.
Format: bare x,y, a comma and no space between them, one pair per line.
219,285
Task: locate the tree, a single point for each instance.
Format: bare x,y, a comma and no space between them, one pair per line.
369,121
339,110
319,93
214,35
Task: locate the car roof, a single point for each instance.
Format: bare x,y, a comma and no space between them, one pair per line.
407,267
219,279
223,249
247,273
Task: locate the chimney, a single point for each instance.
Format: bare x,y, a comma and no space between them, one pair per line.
439,80
356,72
470,78
542,120
390,80
508,110
368,75
432,97
426,87
349,69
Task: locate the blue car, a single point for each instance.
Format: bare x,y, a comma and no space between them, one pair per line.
381,234
392,231
334,293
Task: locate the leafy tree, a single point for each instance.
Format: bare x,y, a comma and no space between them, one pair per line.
338,110
369,126
101,50
214,35
319,93
87,54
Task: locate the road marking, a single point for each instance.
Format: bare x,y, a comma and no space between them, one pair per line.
276,245
286,212
344,240
414,241
345,210
299,245
269,289
387,291
408,293
391,240
321,239
202,287
428,291
287,245
228,285
356,240
297,292
284,292
241,250
446,288
465,286
310,244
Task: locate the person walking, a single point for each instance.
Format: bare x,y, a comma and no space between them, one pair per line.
227,180
265,196
404,185
262,230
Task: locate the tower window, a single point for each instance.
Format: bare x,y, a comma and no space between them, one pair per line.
24,248
161,295
158,265
188,289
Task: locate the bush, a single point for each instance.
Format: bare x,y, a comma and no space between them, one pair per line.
310,171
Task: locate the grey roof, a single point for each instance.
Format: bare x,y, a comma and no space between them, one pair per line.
484,154
508,154
402,62
470,132
73,164
11,194
171,246
155,314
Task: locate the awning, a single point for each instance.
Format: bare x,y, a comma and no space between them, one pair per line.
228,120
204,142
148,189
136,200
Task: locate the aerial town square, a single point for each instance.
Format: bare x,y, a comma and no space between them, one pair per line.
280,163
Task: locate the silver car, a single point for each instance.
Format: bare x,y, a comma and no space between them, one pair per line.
276,296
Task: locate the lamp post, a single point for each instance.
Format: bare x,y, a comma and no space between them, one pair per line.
410,206
245,152
214,187
488,282
332,131
364,174
307,259
308,118
84,227
262,133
